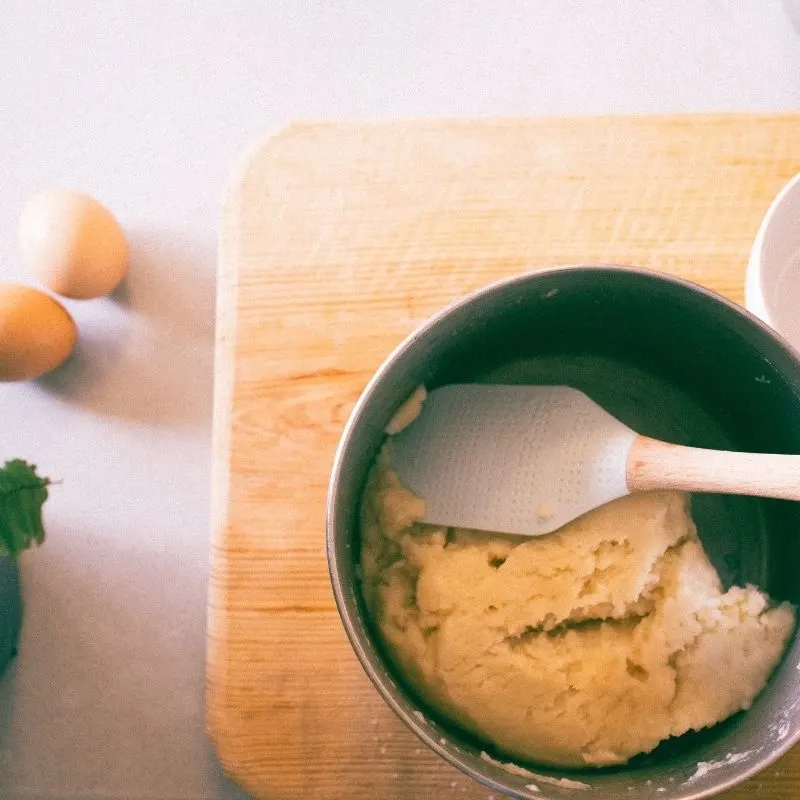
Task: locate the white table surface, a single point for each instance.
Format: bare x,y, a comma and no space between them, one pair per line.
145,104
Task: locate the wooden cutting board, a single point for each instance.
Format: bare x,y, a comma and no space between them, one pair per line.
337,240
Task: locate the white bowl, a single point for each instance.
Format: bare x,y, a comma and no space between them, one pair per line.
772,285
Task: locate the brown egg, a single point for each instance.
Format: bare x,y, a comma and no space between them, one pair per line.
36,333
72,244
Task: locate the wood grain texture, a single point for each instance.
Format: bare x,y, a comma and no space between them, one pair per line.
654,465
336,241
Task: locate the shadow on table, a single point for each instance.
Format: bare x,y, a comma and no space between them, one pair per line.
106,696
146,352
225,786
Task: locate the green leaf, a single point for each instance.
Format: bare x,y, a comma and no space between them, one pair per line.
22,494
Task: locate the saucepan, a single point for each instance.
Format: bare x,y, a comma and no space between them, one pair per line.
673,361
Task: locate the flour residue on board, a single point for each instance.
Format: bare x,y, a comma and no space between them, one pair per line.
706,767
515,769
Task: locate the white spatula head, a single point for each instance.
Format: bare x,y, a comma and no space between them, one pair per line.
512,459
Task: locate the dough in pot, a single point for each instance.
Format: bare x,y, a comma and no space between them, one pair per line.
582,647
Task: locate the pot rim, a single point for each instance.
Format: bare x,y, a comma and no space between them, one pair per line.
397,698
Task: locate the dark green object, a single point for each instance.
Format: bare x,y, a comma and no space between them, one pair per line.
22,493
10,610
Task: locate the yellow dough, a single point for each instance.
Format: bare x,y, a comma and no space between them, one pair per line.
582,647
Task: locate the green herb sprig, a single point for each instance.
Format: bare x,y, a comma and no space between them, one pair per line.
22,494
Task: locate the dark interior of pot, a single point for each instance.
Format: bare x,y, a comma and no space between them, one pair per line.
673,366
674,363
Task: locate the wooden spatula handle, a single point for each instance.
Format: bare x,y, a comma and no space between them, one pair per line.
658,465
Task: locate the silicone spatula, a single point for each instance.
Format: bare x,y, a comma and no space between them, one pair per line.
529,459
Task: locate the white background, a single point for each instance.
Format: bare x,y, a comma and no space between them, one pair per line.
145,104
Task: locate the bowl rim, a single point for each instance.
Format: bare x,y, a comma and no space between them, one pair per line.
398,698
755,297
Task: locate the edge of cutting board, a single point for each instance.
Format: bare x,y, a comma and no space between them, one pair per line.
238,729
